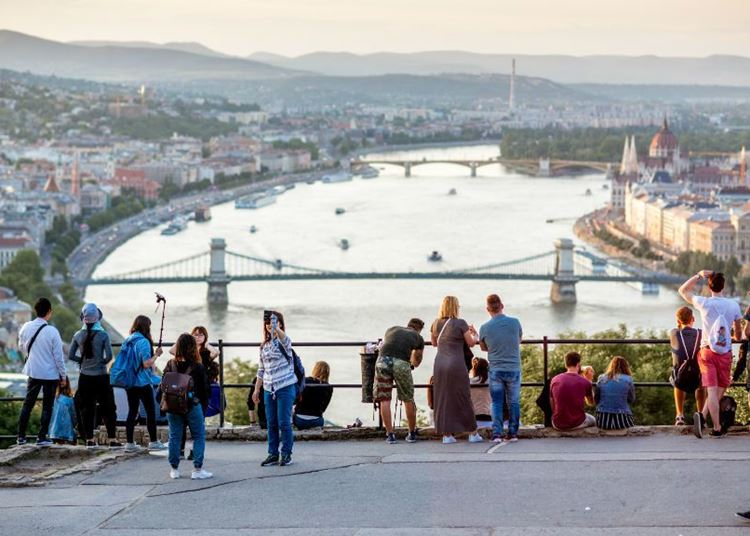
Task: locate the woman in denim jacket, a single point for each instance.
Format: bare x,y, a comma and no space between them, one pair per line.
615,392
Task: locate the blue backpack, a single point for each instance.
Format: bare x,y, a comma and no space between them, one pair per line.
124,371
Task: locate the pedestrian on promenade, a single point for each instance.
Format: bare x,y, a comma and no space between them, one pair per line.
277,381
480,396
313,402
45,368
569,392
399,354
62,428
142,391
685,344
501,338
454,412
186,362
615,392
92,350
720,317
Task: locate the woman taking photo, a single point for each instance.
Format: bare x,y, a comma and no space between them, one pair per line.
92,350
276,377
614,394
187,361
308,413
143,347
454,411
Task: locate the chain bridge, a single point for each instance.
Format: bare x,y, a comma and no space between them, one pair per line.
564,266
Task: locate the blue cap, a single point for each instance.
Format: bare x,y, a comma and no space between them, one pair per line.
90,313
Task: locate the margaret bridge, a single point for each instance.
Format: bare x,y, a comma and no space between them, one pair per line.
563,266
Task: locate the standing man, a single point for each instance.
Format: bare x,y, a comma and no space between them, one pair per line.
501,338
719,316
400,353
44,366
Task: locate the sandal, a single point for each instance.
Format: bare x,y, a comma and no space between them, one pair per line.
679,420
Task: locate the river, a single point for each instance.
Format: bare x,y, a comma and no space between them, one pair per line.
392,224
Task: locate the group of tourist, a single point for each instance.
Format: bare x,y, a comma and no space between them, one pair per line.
282,396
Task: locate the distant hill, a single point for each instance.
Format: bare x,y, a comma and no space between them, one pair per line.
23,52
711,70
191,47
665,92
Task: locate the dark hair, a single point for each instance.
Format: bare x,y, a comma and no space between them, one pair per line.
63,388
186,349
142,325
494,303
572,359
203,331
416,324
479,369
716,281
267,319
42,307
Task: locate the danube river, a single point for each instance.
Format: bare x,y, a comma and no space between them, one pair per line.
392,224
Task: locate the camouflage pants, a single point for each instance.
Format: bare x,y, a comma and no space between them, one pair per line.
388,370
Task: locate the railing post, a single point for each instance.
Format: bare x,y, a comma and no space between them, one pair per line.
221,383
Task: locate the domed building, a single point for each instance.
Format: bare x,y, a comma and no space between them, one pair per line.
664,144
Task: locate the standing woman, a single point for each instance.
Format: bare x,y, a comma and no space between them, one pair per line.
454,411
143,345
92,350
187,361
276,378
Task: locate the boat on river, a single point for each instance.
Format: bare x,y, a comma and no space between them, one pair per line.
254,201
339,211
175,226
435,256
342,176
344,244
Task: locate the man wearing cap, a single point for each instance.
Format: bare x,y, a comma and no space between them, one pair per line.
44,366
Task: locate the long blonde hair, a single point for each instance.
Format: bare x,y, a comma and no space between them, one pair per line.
449,307
321,371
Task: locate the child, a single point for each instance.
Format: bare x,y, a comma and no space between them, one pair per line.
587,372
63,421
480,396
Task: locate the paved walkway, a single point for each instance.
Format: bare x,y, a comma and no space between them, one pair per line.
644,486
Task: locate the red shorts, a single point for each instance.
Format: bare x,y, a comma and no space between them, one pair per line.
715,368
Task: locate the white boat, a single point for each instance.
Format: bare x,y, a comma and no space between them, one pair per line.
341,176
277,190
254,201
435,256
369,172
175,226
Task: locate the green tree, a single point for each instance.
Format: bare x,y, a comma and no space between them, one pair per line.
238,371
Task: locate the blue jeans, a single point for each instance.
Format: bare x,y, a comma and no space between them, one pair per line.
279,418
194,420
304,424
505,386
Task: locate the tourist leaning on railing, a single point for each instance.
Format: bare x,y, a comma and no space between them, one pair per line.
614,394
685,345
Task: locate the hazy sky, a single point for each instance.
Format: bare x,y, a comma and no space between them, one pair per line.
291,27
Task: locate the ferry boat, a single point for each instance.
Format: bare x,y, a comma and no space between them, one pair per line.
339,211
341,176
435,256
369,172
344,244
277,190
253,229
452,191
588,191
175,226
254,201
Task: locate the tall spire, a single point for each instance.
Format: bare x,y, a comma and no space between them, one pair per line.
633,160
625,156
664,125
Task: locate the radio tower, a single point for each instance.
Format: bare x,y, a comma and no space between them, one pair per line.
512,96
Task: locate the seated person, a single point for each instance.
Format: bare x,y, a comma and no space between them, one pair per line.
587,371
257,414
569,391
480,396
308,413
614,394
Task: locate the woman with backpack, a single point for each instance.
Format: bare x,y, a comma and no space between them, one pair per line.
92,350
685,344
185,392
278,381
139,346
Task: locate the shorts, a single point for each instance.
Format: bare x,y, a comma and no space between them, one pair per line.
388,370
715,368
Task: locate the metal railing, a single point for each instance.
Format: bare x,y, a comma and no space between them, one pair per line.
545,342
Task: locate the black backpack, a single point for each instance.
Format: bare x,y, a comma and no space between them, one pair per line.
299,370
688,377
727,412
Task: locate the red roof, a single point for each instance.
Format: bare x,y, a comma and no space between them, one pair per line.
664,139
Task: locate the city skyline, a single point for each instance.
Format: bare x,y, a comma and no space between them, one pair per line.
582,27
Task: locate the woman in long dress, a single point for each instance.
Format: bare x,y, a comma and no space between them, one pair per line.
454,412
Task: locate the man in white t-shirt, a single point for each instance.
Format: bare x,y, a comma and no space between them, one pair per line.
720,317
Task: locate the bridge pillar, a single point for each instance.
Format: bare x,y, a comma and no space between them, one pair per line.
564,282
407,169
218,278
544,168
473,167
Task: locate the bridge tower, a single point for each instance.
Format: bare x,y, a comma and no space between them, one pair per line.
564,282
473,166
218,278
407,169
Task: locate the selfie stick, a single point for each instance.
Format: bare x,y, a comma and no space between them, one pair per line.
161,300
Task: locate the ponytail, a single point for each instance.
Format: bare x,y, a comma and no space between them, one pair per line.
88,346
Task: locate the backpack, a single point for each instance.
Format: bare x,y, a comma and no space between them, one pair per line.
727,412
688,377
720,336
176,388
299,370
124,371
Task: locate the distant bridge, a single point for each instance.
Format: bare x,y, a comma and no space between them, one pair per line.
542,167
564,267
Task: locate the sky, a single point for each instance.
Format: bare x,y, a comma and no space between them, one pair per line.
294,27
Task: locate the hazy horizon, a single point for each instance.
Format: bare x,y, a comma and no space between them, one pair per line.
677,28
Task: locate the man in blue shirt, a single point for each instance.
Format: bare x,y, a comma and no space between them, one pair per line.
501,338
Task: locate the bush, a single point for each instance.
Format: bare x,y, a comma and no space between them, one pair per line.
238,371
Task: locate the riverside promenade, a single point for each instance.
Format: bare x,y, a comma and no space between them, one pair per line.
659,484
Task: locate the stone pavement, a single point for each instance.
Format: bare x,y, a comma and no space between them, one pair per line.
625,486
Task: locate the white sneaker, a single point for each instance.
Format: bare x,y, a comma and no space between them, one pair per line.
156,445
475,438
132,447
447,440
200,474
174,473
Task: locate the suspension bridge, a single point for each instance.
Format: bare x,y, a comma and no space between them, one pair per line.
564,266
